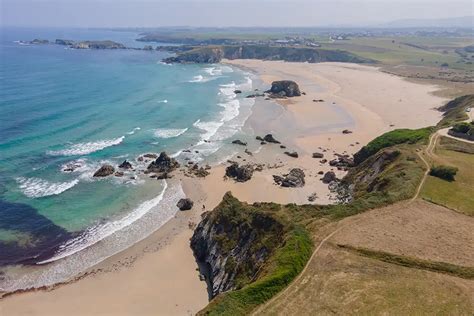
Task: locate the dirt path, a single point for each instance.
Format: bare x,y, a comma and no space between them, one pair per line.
428,151
264,306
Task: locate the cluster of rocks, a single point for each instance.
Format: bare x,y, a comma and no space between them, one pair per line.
239,173
294,179
284,88
197,171
342,162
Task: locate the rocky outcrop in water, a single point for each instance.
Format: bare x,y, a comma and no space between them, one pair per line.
97,45
239,142
64,42
284,88
163,163
125,165
104,171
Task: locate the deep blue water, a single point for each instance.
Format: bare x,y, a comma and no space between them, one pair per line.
61,106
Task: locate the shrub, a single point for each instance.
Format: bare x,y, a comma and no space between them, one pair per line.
444,172
462,128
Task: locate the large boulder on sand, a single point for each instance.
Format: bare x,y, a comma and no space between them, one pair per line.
294,179
185,204
270,139
285,88
329,177
163,163
239,173
104,171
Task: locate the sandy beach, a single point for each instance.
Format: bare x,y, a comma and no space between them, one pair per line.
159,276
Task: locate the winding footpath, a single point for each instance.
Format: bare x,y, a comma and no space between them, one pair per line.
428,152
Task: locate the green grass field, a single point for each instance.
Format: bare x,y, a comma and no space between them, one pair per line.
459,194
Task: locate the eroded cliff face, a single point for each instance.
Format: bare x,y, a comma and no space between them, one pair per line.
233,242
214,54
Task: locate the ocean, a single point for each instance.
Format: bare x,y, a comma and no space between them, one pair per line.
61,107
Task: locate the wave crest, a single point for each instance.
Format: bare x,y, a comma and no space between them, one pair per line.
36,187
87,148
169,132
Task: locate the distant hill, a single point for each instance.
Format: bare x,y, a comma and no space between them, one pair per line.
464,22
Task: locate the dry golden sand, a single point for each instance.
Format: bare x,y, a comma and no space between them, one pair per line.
158,275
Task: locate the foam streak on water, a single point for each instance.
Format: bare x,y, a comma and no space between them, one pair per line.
87,148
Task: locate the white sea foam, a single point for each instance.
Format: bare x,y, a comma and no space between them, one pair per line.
169,133
209,128
36,188
98,232
231,110
197,78
134,130
86,148
162,101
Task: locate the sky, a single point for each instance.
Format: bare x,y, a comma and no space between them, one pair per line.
247,13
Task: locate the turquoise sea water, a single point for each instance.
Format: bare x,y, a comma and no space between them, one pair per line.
85,107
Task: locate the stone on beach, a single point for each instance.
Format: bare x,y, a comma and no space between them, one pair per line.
185,204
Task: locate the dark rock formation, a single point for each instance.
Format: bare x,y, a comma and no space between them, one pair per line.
343,161
64,42
293,154
270,139
239,142
294,179
163,163
233,242
259,138
152,156
329,177
284,88
104,171
214,54
125,165
318,155
185,204
98,45
37,41
239,173
346,131
237,91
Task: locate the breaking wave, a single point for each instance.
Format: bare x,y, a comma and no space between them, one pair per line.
37,188
86,148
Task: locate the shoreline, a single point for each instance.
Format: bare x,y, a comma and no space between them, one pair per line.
161,266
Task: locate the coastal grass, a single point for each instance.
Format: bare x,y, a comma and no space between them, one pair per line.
406,261
395,137
457,195
286,263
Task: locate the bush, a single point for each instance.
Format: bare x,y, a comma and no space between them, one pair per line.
462,128
444,172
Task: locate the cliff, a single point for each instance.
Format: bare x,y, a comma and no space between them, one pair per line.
234,241
213,54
